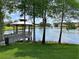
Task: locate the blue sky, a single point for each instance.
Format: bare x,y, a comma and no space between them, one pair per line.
16,16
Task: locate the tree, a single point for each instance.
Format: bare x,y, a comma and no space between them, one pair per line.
1,25
65,6
59,8
34,13
1,19
73,3
44,29
61,22
41,9
45,4
31,8
23,8
27,7
5,6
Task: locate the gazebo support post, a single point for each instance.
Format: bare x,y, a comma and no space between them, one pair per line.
17,32
16,29
24,33
29,33
14,32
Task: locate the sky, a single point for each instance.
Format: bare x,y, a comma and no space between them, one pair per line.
16,16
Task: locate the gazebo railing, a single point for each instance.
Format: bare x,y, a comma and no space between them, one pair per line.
15,37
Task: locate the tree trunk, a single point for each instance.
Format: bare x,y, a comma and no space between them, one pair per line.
1,32
44,29
24,27
1,25
44,32
34,38
24,23
61,24
60,32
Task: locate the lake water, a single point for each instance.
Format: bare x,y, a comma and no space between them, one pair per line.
52,34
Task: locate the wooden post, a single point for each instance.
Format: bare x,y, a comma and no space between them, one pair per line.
29,33
17,32
16,29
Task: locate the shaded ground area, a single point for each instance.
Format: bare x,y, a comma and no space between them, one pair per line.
26,50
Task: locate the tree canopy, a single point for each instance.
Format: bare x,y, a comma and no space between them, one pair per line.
73,3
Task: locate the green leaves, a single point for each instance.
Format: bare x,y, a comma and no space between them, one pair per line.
70,25
73,3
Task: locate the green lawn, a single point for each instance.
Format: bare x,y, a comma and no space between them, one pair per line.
39,51
8,28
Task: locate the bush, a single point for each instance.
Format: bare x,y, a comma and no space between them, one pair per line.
70,26
42,24
56,25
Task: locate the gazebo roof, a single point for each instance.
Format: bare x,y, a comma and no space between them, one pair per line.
27,23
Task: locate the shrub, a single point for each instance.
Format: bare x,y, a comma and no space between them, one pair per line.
70,25
42,24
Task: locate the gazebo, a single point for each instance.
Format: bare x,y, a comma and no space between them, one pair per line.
20,33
